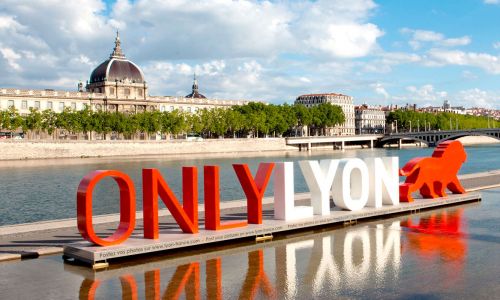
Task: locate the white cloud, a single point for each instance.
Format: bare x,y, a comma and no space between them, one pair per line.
8,23
426,93
421,37
478,98
234,46
487,62
426,36
492,1
453,42
496,45
387,60
469,75
11,57
238,49
337,28
305,79
379,89
204,30
347,40
46,44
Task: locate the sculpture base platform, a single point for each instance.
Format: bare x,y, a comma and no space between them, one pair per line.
175,239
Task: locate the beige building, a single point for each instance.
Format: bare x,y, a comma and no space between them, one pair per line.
117,84
344,101
369,120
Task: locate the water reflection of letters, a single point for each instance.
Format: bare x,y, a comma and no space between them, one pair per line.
323,264
338,259
302,266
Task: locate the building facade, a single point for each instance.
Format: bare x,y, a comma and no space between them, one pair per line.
344,101
369,120
445,108
116,85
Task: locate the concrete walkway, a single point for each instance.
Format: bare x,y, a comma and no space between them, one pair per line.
42,238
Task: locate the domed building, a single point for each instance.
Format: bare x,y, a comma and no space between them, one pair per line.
118,77
117,84
194,92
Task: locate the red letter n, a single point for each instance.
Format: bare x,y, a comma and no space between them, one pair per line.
154,185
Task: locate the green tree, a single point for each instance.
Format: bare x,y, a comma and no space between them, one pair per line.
326,115
303,115
235,121
33,122
13,121
49,118
85,119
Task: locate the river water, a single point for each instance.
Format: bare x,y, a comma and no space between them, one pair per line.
33,191
447,253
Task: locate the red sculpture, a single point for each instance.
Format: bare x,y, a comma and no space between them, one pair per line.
127,207
433,175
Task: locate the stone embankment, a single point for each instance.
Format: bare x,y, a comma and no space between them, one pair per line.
22,149
43,149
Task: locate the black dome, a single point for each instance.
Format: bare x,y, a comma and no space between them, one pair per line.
195,95
117,69
194,92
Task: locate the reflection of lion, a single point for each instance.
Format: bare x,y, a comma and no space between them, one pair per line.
432,175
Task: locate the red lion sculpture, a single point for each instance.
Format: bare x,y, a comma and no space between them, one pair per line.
433,175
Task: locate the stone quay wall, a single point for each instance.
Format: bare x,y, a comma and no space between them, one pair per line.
20,149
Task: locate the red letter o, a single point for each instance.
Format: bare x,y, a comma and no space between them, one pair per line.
127,207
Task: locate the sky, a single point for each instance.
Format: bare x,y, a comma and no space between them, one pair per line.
379,52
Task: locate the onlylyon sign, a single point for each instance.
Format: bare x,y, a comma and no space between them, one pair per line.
353,183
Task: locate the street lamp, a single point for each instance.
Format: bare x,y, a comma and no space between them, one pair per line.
410,126
418,125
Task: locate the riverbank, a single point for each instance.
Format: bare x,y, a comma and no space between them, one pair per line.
42,149
20,149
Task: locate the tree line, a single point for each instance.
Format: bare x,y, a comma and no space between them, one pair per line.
253,119
415,120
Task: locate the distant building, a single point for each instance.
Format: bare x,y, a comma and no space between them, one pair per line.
445,108
117,84
194,93
369,119
344,101
484,112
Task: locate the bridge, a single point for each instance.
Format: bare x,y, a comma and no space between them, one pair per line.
432,138
306,142
429,138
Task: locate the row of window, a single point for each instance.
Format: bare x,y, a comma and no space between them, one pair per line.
373,117
171,108
369,122
318,101
126,91
37,105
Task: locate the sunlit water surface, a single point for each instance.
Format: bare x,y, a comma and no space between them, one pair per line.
46,190
451,253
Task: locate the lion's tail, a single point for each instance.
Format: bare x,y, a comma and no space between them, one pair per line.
410,167
402,172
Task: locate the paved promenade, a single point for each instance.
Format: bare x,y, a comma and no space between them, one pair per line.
42,238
